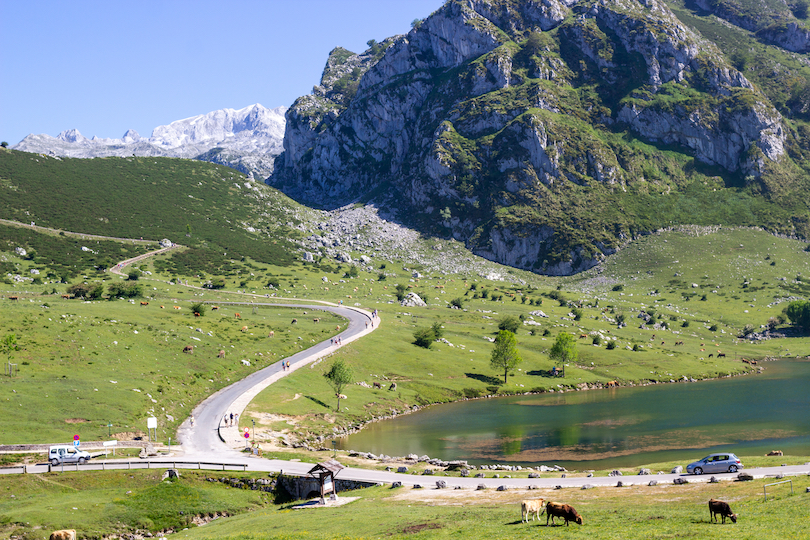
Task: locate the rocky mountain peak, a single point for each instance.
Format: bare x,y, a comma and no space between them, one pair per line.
487,117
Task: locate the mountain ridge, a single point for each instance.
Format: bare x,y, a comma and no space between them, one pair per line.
247,139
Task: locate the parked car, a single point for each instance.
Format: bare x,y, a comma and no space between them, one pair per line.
67,454
715,463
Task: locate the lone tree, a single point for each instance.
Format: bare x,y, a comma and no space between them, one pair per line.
338,376
564,350
505,355
799,314
8,345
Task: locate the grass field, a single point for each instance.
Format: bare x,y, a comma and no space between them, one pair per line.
83,365
98,503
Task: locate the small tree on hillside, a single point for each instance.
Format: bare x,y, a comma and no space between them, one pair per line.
8,345
338,376
564,350
199,307
505,355
799,314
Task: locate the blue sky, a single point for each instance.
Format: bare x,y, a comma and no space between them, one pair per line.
108,66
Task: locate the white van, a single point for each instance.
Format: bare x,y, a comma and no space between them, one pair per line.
67,454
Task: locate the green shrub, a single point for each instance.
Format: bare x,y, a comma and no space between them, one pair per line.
611,345
510,323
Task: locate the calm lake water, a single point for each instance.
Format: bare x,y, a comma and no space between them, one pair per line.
621,427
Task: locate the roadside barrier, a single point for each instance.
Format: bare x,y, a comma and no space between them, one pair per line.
119,465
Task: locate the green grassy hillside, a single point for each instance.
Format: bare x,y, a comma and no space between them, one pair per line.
208,207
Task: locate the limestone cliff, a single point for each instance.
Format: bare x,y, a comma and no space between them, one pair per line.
495,121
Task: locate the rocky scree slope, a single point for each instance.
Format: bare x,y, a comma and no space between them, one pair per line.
534,131
247,140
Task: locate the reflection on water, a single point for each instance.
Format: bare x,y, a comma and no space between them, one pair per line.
611,428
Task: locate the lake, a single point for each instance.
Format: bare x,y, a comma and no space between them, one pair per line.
621,427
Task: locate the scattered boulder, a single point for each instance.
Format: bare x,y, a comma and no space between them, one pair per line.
644,472
441,484
677,470
680,481
412,300
396,485
745,476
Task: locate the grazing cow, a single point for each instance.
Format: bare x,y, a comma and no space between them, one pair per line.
294,321
161,307
271,334
144,303
711,355
196,313
189,349
721,355
316,320
176,307
663,343
774,453
377,385
393,386
612,384
237,315
13,297
565,511
583,336
341,396
214,308
244,329
64,534
221,354
66,296
531,506
722,508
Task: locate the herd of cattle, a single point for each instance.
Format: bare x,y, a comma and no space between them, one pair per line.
535,507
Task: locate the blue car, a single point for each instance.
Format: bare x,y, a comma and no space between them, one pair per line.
715,463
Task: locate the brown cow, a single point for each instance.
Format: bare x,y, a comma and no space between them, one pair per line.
64,534
189,349
196,313
316,320
244,329
565,511
722,508
294,321
237,315
176,307
377,385
214,308
13,297
66,296
774,453
221,354
271,334
144,303
611,384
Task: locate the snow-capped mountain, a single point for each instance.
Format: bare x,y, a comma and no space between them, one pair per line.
246,139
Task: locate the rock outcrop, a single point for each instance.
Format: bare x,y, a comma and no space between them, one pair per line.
490,121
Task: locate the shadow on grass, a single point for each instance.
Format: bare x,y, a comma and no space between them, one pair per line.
542,373
487,379
318,401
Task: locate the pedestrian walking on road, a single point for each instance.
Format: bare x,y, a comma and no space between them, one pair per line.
192,420
231,419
